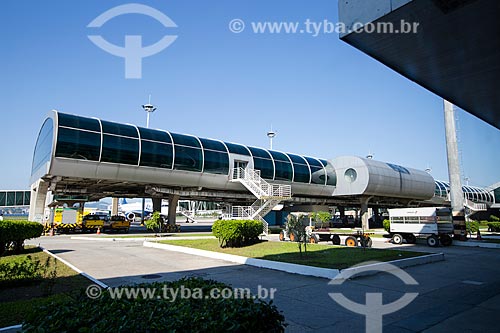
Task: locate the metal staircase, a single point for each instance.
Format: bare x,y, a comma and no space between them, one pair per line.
475,207
268,195
472,207
187,213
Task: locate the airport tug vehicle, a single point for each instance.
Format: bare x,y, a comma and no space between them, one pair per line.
435,224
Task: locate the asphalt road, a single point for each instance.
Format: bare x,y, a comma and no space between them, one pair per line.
461,294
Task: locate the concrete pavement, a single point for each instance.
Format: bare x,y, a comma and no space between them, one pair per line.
459,294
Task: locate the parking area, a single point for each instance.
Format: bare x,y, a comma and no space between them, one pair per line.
461,292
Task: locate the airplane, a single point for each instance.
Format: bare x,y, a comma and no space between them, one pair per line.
134,209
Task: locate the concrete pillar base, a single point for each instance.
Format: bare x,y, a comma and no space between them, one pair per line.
39,192
364,213
173,199
156,204
114,206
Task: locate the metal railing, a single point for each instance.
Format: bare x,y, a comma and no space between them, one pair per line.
476,207
259,187
268,196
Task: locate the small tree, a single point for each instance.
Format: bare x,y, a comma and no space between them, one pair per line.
154,223
387,225
296,227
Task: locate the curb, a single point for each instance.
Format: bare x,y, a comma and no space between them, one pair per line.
326,273
14,327
377,267
79,271
476,244
138,239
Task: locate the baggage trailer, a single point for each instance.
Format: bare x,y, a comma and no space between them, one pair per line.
354,239
435,224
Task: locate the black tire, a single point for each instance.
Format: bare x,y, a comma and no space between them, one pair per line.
397,239
335,239
282,236
411,239
368,242
432,241
314,239
351,241
445,240
293,237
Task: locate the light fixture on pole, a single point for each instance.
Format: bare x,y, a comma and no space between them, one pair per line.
149,108
271,134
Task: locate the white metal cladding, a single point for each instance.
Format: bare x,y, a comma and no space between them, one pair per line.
381,179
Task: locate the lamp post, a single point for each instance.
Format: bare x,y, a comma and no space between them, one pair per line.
271,134
149,108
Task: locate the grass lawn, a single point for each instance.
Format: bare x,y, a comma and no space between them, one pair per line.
19,299
318,255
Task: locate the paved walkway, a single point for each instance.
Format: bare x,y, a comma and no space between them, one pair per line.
457,295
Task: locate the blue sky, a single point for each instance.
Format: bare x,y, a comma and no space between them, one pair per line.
323,97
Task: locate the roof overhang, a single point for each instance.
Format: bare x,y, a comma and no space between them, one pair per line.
455,53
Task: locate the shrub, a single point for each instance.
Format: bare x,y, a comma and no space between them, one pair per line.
159,313
14,233
154,222
19,271
494,218
387,225
494,226
322,217
234,233
472,227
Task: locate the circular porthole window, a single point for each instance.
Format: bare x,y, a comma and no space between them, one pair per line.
350,175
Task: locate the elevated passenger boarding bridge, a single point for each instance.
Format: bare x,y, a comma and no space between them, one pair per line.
91,158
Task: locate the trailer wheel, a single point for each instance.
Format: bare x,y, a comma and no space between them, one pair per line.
351,241
282,236
411,239
335,239
432,241
397,239
446,240
293,237
314,239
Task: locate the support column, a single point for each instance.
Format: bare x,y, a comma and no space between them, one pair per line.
364,213
114,206
172,208
156,204
342,214
37,200
376,216
456,193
